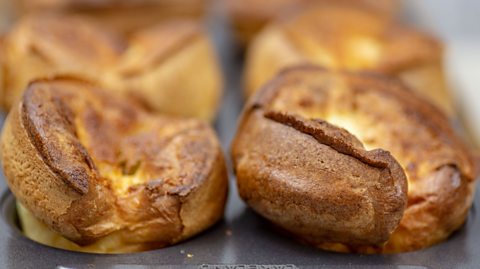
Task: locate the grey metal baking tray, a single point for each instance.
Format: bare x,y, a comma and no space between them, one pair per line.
242,238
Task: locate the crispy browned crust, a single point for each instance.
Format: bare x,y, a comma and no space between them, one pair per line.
90,165
123,15
347,38
317,181
248,17
156,65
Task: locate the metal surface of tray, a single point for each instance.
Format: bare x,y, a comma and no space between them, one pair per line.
242,238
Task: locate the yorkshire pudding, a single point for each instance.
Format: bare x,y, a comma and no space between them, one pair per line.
352,39
159,66
123,15
346,189
248,17
98,168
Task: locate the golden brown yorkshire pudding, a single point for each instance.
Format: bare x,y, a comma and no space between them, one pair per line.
96,167
159,66
248,17
342,189
123,15
350,39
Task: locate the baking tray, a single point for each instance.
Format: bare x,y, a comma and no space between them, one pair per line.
242,239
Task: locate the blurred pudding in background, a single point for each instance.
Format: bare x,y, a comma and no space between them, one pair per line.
248,17
124,15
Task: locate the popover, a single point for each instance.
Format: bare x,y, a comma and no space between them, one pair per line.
352,39
248,17
159,65
326,155
95,167
123,15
